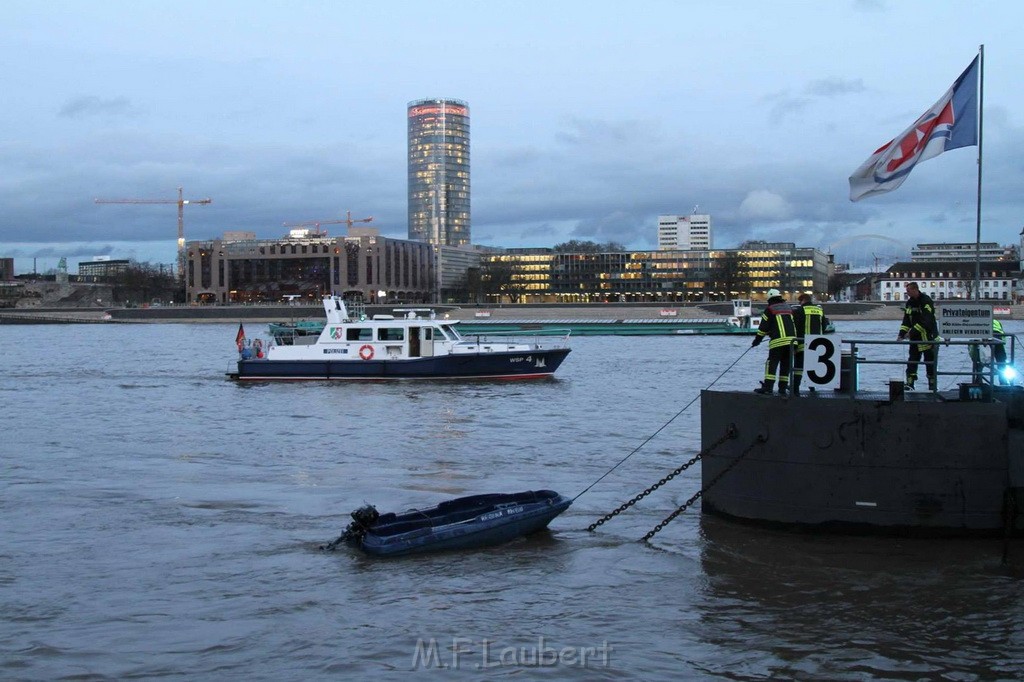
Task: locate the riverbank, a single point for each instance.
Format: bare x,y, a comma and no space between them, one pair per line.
279,313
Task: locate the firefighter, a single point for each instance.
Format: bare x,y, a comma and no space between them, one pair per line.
777,325
919,324
998,355
809,319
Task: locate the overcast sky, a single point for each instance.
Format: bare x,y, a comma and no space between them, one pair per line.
589,119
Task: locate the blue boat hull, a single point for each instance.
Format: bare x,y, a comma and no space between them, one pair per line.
511,365
464,523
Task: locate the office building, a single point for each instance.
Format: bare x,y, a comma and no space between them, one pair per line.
439,172
309,264
684,232
101,269
543,275
963,251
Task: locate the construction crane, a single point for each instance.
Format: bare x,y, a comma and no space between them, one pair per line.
315,224
181,220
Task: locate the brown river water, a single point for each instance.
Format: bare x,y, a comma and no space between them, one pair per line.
159,521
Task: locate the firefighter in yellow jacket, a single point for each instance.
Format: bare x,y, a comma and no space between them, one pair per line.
919,324
777,325
809,320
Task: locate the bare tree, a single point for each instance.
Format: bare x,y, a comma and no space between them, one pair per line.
577,246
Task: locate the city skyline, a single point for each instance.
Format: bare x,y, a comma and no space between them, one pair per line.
647,111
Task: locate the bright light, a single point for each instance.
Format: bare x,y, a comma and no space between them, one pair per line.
1009,374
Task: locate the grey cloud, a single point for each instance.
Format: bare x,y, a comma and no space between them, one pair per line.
579,131
870,5
784,103
832,87
85,106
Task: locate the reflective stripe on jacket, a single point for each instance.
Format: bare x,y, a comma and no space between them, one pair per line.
919,319
809,320
777,324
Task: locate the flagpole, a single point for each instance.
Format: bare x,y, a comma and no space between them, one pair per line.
981,120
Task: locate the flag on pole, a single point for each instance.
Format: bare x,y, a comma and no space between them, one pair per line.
240,337
950,124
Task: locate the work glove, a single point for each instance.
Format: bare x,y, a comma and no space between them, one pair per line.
757,340
902,336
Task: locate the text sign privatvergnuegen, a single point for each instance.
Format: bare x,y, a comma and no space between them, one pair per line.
964,320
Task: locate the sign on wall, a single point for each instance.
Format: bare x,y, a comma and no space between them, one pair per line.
821,360
964,320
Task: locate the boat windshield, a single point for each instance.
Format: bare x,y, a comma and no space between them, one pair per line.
450,333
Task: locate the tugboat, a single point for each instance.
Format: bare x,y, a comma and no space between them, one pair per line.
414,346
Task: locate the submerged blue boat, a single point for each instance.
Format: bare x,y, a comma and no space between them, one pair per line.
463,523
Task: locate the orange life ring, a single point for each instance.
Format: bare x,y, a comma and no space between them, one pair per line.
366,352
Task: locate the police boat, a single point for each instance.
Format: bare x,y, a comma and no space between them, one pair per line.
413,344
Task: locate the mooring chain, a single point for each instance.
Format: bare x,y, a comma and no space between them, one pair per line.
730,432
696,496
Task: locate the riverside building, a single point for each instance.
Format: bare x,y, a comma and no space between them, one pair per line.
309,264
542,275
438,182
962,251
946,279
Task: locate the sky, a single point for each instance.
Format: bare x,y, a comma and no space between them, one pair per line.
588,119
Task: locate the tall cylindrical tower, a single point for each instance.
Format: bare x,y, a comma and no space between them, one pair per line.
439,171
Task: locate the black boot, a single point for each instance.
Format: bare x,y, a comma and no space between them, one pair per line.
783,390
765,388
795,385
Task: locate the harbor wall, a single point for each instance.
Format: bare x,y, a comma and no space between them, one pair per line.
863,465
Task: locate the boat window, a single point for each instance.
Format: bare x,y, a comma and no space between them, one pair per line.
391,334
449,332
359,334
428,333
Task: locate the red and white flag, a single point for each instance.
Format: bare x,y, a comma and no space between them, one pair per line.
951,123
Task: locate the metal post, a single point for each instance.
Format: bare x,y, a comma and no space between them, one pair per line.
981,116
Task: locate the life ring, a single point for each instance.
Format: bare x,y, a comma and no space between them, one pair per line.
366,352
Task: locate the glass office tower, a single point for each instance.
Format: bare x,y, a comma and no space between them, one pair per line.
439,171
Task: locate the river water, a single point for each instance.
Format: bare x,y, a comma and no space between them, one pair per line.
159,520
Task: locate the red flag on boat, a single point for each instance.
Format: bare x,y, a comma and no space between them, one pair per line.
240,337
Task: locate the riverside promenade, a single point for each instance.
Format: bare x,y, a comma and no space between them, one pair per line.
539,311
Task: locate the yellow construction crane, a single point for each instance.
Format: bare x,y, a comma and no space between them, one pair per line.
315,224
181,220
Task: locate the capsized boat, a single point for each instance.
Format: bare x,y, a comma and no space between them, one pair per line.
463,523
415,345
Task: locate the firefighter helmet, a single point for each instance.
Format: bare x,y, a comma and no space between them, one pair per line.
772,293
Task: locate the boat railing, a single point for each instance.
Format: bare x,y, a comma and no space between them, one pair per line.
536,337
356,308
980,369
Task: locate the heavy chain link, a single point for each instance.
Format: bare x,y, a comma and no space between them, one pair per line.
761,438
730,432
